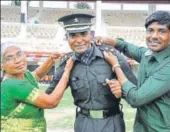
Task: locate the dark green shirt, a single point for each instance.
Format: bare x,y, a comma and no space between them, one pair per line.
151,96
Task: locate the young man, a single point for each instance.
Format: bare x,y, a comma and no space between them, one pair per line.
151,96
97,108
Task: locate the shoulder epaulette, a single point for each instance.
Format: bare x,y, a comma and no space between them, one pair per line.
65,58
111,49
107,48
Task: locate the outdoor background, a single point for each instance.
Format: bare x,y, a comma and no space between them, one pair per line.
33,26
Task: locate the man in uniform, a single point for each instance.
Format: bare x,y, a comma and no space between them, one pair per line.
97,108
151,96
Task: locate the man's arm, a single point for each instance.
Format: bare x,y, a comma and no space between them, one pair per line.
126,68
128,49
154,87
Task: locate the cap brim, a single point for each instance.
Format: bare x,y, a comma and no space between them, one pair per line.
78,29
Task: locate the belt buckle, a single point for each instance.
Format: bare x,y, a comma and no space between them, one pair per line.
96,114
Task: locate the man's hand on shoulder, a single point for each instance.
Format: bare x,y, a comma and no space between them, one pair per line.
99,40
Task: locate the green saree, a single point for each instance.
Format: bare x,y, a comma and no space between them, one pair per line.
18,114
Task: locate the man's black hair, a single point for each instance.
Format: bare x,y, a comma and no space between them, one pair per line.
162,17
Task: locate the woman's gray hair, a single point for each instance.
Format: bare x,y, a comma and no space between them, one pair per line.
5,45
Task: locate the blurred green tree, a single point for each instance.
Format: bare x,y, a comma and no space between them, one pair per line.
82,5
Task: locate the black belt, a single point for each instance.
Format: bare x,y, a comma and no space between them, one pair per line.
99,113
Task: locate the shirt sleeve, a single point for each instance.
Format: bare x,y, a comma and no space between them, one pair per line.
126,68
154,87
56,79
130,50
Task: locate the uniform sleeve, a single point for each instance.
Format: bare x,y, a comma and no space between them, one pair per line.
56,79
23,90
126,68
130,50
154,87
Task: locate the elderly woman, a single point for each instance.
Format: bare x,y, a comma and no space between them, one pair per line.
22,103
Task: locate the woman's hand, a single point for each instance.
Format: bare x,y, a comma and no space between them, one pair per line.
110,58
115,88
56,56
43,69
69,64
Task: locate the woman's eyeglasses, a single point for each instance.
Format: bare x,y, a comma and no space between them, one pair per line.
13,58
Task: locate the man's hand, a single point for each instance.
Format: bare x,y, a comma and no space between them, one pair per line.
99,40
115,88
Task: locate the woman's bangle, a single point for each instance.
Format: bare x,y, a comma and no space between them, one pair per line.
115,66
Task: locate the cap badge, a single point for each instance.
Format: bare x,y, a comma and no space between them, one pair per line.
76,20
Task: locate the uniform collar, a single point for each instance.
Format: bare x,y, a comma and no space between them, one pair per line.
96,53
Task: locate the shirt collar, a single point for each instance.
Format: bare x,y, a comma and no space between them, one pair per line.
159,56
148,53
